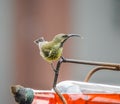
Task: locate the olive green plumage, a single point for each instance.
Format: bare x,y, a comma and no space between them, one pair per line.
52,50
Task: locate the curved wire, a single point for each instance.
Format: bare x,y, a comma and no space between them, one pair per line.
91,72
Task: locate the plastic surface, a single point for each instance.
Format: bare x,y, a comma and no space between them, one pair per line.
75,87
80,93
52,98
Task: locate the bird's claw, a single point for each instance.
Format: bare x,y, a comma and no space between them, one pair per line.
53,68
62,59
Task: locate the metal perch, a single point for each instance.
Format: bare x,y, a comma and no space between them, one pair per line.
100,66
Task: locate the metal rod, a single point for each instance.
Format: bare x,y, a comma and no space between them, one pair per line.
55,81
64,60
91,72
101,65
57,71
60,95
91,63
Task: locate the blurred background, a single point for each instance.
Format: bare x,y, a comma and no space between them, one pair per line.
22,21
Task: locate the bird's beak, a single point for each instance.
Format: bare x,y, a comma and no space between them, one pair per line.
68,36
71,35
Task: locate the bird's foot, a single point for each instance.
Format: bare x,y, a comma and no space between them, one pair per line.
62,58
53,67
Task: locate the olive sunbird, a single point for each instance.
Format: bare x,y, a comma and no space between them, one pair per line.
52,50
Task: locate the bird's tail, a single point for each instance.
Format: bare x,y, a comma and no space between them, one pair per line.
41,39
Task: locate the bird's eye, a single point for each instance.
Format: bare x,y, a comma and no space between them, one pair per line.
64,36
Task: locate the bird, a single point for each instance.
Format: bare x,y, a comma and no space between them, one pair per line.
52,50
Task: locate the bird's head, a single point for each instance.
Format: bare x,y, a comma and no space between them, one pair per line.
61,38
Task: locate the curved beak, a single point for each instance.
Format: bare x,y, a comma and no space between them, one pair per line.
68,36
71,35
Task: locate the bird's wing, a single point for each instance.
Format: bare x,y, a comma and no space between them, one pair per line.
51,51
55,52
46,51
